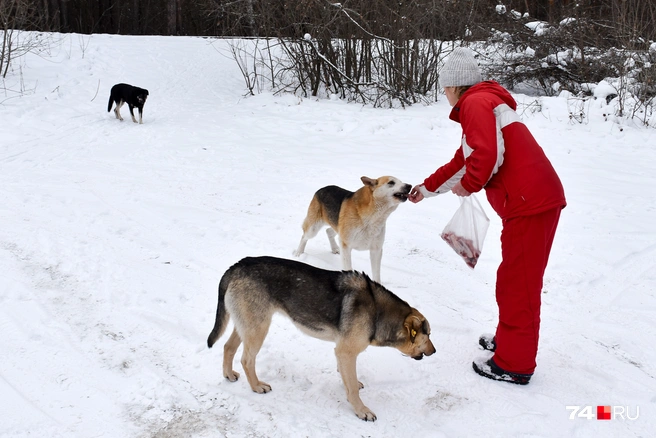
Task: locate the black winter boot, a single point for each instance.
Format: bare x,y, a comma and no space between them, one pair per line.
487,368
488,342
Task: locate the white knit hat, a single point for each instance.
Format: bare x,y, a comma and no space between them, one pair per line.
460,69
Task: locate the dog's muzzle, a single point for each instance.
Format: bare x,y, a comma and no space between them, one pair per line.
428,352
403,195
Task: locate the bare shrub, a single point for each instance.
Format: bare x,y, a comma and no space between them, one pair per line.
373,55
15,17
546,59
584,45
644,90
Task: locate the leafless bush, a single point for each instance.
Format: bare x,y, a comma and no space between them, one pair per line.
15,17
373,55
257,61
644,90
546,58
365,71
577,109
578,50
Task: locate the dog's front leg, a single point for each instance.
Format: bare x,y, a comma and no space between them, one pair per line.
347,264
346,364
141,115
132,112
253,340
376,256
360,384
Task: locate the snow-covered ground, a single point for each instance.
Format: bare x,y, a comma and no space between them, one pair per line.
114,236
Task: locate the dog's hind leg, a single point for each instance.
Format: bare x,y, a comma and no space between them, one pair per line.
253,335
347,355
117,110
310,230
229,350
301,246
331,238
311,224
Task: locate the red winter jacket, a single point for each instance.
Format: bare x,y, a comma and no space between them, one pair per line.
499,154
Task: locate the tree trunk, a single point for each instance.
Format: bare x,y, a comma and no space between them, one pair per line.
135,17
172,13
116,14
251,18
64,15
179,24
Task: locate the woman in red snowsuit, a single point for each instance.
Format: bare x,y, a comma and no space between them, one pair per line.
499,154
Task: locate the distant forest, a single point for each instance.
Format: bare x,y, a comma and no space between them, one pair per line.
446,19
382,52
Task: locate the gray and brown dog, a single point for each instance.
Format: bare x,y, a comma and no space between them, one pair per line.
347,308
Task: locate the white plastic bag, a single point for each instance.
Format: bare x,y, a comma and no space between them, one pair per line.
466,230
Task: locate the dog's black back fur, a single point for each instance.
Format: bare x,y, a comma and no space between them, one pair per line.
311,296
332,197
125,93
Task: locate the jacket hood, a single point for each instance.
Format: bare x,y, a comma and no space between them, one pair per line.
491,87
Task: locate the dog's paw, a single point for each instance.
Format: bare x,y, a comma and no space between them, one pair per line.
366,414
297,253
262,388
232,376
335,250
360,384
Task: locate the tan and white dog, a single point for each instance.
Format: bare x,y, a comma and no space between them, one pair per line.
359,218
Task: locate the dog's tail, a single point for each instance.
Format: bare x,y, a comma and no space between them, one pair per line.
222,316
109,105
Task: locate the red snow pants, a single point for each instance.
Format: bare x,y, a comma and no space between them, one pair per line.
525,247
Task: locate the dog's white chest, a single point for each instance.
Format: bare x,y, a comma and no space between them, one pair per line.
367,237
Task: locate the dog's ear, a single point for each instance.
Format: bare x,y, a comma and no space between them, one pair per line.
413,326
368,181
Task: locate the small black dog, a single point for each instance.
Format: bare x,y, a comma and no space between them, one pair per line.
133,96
